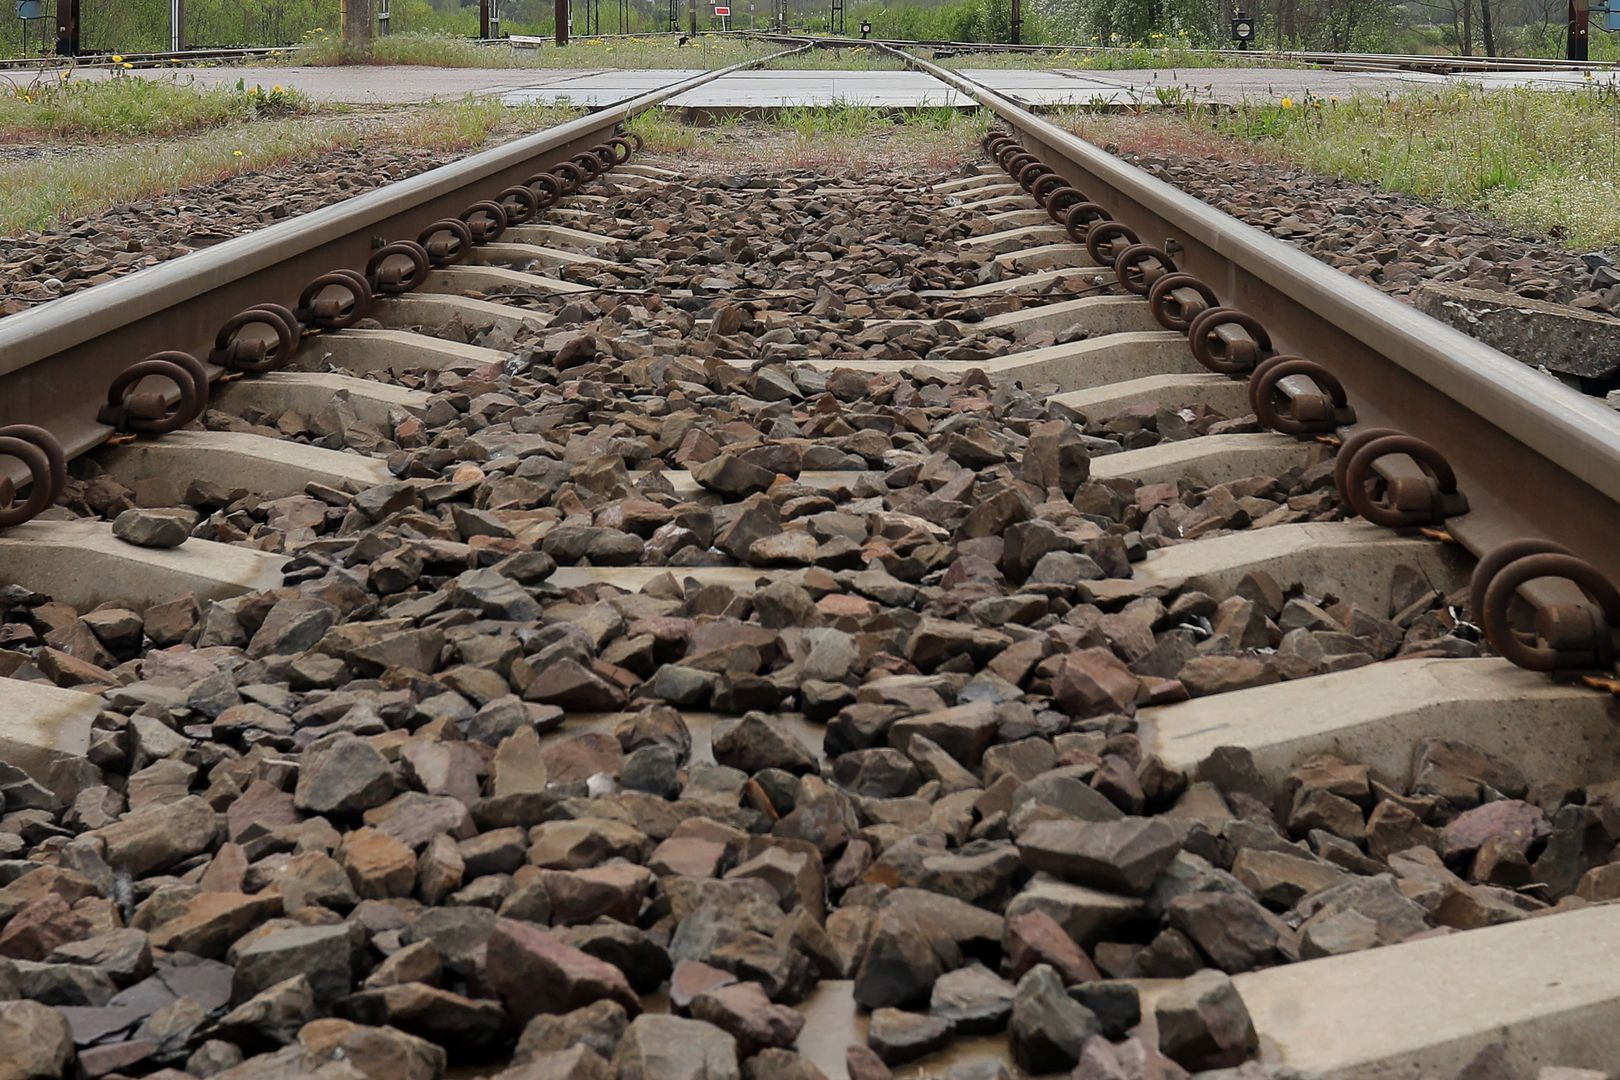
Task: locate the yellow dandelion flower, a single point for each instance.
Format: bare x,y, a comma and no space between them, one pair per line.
1288,103
117,59
236,153
128,66
275,89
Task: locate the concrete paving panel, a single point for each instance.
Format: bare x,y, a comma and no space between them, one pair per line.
388,85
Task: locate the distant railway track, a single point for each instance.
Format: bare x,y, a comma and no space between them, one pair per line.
808,593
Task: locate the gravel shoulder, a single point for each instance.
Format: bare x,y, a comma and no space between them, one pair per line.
1392,241
324,161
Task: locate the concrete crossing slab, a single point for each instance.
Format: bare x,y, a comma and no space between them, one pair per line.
782,89
371,84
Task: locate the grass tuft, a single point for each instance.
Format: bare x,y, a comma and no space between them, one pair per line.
1540,161
1545,163
129,106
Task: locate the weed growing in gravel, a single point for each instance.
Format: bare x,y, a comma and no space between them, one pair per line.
75,106
663,132
1537,160
841,136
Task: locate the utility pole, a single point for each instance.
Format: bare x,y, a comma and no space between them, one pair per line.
356,16
1017,20
560,10
691,19
1579,26
483,19
67,27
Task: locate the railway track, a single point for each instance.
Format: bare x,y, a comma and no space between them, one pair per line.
560,610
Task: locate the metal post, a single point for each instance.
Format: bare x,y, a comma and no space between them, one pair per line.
560,14
67,27
383,17
1017,20
177,25
1579,27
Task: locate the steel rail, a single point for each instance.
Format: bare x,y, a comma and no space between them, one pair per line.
103,58
57,360
1533,457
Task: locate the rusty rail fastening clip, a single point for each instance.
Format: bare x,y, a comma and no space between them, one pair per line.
1179,298
150,412
335,301
37,449
1045,185
1297,396
1414,487
518,203
1228,341
1059,200
569,176
1140,266
1563,637
446,242
253,354
487,220
397,268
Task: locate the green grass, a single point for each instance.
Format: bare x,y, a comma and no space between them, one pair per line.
130,106
1542,162
445,50
42,192
663,132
